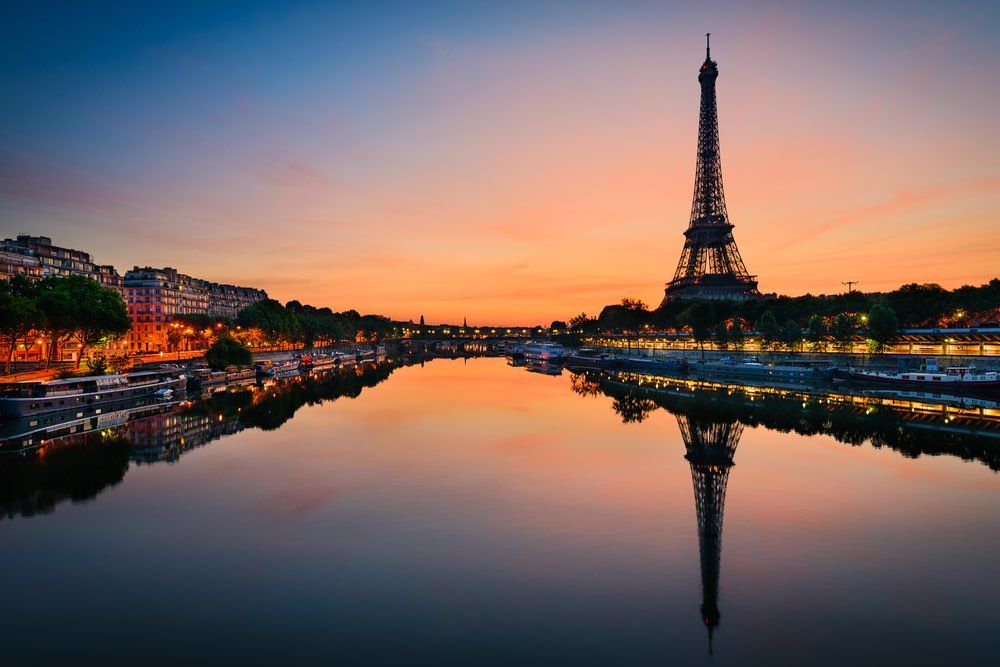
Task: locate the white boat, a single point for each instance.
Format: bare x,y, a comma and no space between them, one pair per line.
543,351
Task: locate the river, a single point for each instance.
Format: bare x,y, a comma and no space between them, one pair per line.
466,512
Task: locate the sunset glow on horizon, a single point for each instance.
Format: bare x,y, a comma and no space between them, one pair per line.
508,165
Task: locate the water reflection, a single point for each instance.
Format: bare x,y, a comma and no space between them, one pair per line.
485,514
75,469
711,418
81,459
910,427
710,447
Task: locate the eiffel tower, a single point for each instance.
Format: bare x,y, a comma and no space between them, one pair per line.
710,266
710,447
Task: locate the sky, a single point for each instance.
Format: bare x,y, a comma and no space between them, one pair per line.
509,162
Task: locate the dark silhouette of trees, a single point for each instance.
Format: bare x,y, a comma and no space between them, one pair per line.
790,335
883,326
227,352
721,336
699,317
99,313
19,316
816,332
842,331
61,308
768,330
737,338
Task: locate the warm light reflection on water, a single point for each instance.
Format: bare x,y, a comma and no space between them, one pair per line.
473,513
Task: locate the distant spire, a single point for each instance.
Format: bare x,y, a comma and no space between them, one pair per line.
708,46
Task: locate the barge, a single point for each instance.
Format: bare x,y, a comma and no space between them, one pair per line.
27,399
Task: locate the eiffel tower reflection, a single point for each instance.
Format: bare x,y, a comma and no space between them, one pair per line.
710,448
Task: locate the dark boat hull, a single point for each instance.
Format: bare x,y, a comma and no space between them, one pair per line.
986,389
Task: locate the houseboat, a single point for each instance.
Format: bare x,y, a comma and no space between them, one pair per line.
752,369
955,380
589,358
514,349
25,399
656,365
202,378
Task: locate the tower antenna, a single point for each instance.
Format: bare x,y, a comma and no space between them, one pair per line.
850,285
708,45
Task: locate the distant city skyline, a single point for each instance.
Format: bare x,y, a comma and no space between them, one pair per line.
506,164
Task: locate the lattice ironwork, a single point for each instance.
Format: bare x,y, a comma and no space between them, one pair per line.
710,265
710,447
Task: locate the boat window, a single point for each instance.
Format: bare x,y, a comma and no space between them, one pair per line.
33,406
47,404
33,422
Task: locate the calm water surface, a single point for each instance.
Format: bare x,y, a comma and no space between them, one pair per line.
463,513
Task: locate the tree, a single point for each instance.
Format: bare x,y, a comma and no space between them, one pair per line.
175,336
557,325
768,330
56,303
721,336
633,304
272,319
581,322
227,352
97,364
842,331
19,316
790,335
816,332
632,408
100,314
736,336
882,328
698,317
619,317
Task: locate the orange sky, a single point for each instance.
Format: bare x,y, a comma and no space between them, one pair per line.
529,170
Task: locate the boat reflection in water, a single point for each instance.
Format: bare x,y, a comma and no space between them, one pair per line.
78,459
542,367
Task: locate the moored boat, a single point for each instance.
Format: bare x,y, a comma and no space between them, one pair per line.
200,378
954,380
753,369
22,399
590,358
543,351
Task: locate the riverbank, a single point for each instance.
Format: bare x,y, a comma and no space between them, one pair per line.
844,360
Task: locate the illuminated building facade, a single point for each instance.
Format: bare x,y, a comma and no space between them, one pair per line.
156,297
